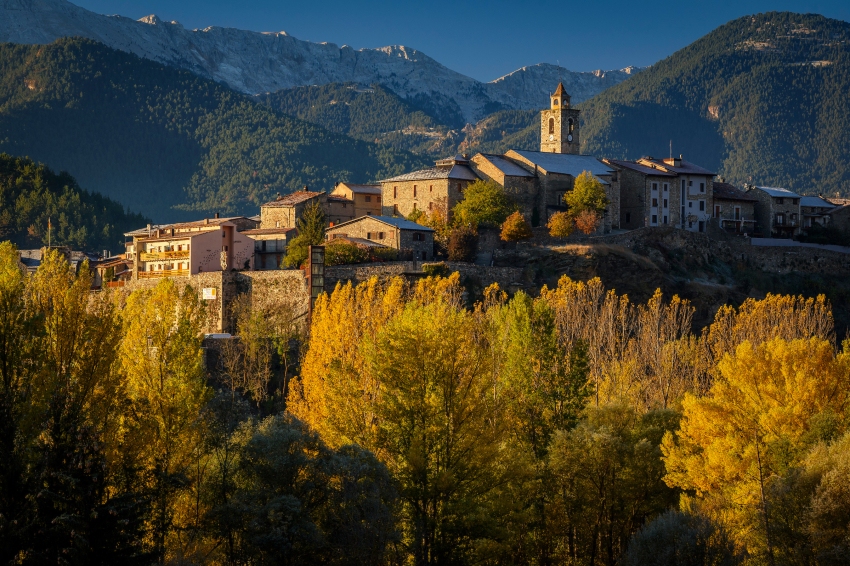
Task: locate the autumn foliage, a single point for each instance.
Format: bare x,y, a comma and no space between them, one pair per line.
515,228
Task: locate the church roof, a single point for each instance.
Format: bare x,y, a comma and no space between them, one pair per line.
560,90
506,166
462,172
563,163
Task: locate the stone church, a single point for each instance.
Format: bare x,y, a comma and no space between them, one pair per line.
537,180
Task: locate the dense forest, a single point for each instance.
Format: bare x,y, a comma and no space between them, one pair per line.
577,427
30,194
163,141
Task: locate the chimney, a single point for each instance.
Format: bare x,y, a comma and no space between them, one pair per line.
306,188
216,214
105,254
149,230
206,220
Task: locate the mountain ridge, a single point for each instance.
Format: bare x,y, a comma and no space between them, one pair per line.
262,62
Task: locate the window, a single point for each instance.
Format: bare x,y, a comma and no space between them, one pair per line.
368,198
378,199
654,186
414,206
655,202
690,183
414,191
395,209
737,213
690,204
380,235
277,224
780,218
556,102
702,205
717,211
628,217
571,125
702,187
418,237
665,220
780,200
665,203
655,219
395,192
666,187
430,206
683,184
551,126
430,188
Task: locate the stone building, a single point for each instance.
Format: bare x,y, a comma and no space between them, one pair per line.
658,192
392,232
777,211
814,210
559,128
284,211
366,198
438,187
839,217
338,209
188,248
270,246
733,209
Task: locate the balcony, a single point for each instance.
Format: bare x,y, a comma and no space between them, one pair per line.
164,273
162,256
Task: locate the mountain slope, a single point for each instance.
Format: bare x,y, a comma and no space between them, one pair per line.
254,63
161,140
761,99
30,194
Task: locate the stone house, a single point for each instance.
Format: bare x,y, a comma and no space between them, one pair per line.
839,217
284,211
733,209
777,211
270,246
813,210
389,231
438,187
338,209
647,195
366,198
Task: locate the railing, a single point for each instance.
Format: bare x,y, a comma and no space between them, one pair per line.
158,256
164,273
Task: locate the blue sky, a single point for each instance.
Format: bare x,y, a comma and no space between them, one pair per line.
484,40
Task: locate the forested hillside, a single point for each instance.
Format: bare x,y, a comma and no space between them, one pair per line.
374,114
762,98
30,194
163,141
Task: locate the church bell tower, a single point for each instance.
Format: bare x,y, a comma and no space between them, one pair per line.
559,125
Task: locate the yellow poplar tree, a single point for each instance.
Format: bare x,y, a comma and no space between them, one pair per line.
161,357
751,426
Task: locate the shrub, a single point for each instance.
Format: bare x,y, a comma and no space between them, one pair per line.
515,228
342,252
588,221
560,225
588,194
436,270
463,244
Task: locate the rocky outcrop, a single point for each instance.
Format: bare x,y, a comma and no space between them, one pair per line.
253,62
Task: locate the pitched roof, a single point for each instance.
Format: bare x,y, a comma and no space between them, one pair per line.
725,191
293,198
560,90
639,168
265,231
199,223
563,163
778,192
684,167
400,223
506,166
364,189
816,202
840,209
462,172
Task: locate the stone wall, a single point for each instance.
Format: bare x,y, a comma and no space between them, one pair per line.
422,195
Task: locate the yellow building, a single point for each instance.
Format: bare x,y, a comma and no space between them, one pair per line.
366,198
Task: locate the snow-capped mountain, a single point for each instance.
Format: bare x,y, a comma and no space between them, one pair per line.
254,62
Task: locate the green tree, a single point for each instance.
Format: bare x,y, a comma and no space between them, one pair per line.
560,225
588,194
485,203
311,232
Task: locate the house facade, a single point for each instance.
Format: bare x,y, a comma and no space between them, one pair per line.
284,211
815,210
777,211
270,246
366,198
392,232
435,188
733,209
